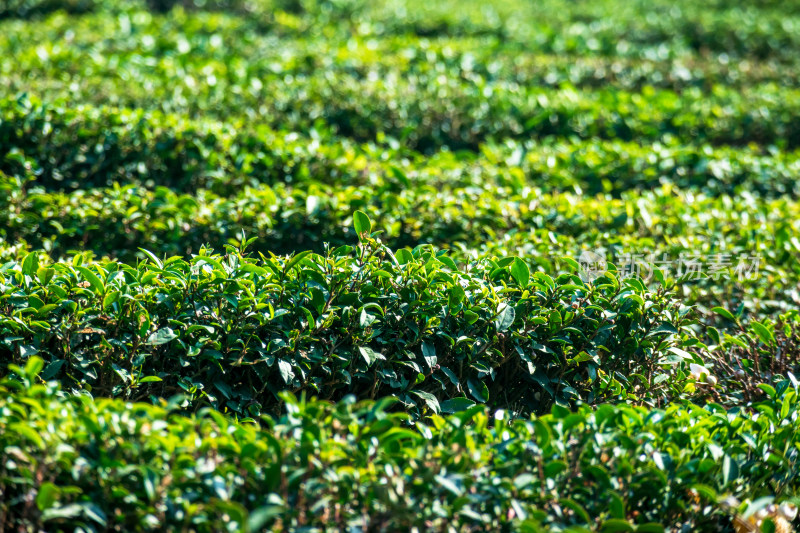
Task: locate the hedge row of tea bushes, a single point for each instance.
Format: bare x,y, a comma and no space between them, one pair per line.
234,332
69,148
669,227
105,325
289,90
287,218
636,29
184,49
71,462
469,113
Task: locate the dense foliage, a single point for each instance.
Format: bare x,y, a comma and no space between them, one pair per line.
108,464
326,265
235,332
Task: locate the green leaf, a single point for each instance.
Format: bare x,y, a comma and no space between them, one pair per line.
152,258
361,224
577,508
285,368
457,295
664,329
34,366
786,404
254,269
769,389
705,491
524,480
448,485
713,333
724,313
478,390
110,298
30,265
659,276
404,256
72,510
93,280
449,263
48,494
29,433
617,524
296,258
471,317
214,263
683,354
616,505
505,317
730,470
94,512
53,368
520,272
45,275
763,333
162,336
429,399
150,483
399,176
370,355
454,405
365,319
574,265
258,519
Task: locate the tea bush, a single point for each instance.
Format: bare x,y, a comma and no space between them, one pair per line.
91,147
234,332
101,465
667,225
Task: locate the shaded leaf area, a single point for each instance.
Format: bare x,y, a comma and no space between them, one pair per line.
103,464
753,362
234,332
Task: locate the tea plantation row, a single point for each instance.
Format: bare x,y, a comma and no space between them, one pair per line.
763,29
745,244
108,465
90,147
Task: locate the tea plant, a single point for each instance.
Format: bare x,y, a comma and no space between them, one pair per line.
321,265
105,464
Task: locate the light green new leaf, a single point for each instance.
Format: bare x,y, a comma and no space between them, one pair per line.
724,313
361,224
92,278
763,333
520,272
47,496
